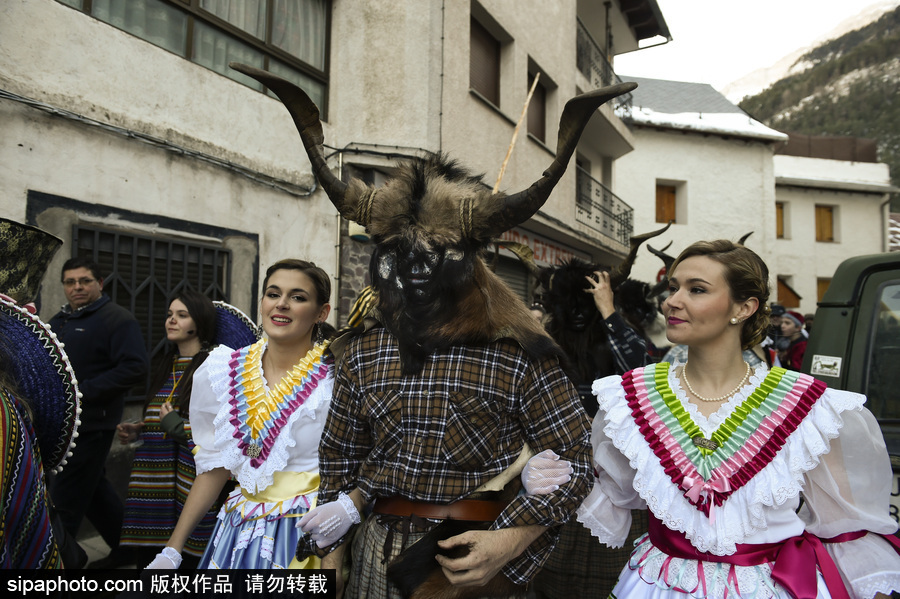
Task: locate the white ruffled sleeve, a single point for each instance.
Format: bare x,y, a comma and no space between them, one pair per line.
205,406
606,511
850,491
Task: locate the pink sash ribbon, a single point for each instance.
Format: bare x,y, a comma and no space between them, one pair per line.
794,560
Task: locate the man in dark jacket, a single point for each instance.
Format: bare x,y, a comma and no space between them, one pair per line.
104,343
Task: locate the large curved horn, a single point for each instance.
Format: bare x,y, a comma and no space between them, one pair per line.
658,289
523,253
306,117
519,207
618,275
668,260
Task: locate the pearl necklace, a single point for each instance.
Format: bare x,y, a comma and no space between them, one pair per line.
712,399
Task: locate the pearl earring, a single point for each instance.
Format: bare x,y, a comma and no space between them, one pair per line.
734,320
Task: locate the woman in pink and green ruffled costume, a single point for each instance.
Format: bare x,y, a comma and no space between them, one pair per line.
759,483
257,414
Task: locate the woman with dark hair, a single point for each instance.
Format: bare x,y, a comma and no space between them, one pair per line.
257,415
163,468
722,453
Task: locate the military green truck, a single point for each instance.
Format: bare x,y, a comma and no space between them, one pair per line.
855,343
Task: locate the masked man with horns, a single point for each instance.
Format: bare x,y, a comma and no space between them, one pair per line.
435,400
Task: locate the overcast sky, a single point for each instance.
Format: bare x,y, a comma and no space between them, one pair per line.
719,41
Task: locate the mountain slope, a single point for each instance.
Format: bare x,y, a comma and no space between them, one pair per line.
758,80
850,87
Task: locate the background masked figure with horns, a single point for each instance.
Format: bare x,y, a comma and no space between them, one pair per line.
439,393
586,308
582,301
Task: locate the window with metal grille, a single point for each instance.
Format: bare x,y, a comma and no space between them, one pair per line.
484,63
141,272
286,37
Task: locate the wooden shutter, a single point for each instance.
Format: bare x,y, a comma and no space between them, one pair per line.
824,223
537,110
484,63
779,220
822,287
665,203
787,297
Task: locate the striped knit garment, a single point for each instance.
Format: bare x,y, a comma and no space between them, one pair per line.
26,540
161,477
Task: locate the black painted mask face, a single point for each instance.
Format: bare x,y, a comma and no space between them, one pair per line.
635,302
420,285
416,270
581,312
572,306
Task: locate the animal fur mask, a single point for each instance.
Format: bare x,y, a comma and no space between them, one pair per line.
430,224
575,323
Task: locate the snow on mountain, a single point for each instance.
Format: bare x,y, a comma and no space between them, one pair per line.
760,79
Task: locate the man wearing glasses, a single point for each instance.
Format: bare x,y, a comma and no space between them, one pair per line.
104,343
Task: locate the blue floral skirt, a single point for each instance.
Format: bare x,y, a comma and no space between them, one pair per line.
255,535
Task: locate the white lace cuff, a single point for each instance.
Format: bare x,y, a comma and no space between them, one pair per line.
349,507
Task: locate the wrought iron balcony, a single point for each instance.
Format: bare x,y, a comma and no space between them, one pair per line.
602,210
592,63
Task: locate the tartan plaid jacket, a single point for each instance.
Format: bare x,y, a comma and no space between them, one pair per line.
438,435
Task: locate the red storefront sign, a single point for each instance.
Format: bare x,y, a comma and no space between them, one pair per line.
546,251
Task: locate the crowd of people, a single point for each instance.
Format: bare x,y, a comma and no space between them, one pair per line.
273,455
445,442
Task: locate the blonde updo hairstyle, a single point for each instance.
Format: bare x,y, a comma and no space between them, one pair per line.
746,275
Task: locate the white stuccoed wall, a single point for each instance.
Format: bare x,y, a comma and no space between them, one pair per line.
859,218
81,65
729,191
399,76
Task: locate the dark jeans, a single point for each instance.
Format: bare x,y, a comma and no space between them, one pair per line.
82,490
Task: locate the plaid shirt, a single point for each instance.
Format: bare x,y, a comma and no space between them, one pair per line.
438,435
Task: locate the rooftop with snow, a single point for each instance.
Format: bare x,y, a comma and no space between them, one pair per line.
692,107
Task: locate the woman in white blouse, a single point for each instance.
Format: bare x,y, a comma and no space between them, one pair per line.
257,415
759,483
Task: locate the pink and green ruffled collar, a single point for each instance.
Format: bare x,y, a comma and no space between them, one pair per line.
709,469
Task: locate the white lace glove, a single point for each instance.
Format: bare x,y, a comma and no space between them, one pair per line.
326,524
167,559
545,472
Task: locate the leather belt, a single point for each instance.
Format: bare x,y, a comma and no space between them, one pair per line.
475,510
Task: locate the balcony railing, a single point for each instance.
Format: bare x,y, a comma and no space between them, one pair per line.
602,210
592,63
